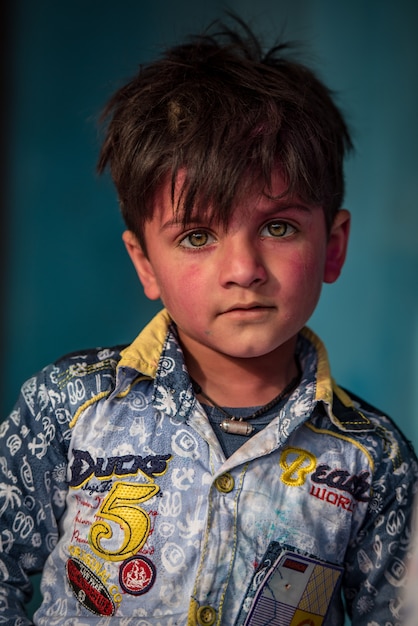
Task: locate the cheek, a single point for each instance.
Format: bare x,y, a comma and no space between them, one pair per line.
314,263
183,286
313,272
305,277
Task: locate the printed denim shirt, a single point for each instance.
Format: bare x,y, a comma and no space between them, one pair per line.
113,483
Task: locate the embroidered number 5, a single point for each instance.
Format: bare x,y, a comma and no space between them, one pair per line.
121,506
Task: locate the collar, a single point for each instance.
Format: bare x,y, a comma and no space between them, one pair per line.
338,405
156,354
143,354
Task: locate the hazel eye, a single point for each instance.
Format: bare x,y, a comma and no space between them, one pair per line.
196,239
278,229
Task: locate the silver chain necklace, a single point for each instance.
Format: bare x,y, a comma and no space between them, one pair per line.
239,425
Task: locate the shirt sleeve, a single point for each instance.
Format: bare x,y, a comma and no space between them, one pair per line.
377,560
33,462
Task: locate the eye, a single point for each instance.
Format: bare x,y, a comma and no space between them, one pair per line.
277,229
197,239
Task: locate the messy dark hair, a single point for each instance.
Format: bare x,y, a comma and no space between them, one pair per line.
227,114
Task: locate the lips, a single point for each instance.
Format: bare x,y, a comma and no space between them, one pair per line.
254,306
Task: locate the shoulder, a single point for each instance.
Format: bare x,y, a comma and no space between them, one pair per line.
62,386
83,373
393,454
83,363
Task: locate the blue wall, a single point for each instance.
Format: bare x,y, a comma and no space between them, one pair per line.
69,284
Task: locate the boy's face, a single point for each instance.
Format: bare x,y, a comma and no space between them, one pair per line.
247,290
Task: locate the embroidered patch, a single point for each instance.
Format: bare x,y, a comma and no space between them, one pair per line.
137,575
336,499
290,589
296,464
121,507
356,485
84,467
89,589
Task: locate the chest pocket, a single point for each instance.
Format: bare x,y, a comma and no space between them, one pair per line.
298,587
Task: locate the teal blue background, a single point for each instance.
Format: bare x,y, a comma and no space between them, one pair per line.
68,282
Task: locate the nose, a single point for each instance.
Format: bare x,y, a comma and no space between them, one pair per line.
242,263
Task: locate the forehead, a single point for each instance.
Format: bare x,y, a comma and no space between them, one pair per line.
170,200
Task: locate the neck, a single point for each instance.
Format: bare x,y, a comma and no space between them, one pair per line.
241,382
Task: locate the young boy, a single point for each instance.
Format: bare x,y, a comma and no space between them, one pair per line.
212,472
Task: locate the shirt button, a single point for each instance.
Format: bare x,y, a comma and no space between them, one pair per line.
225,483
206,616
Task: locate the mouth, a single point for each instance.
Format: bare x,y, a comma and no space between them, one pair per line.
251,308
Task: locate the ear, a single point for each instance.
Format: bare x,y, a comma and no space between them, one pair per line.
337,246
142,265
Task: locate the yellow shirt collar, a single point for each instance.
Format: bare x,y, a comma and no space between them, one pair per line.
144,352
